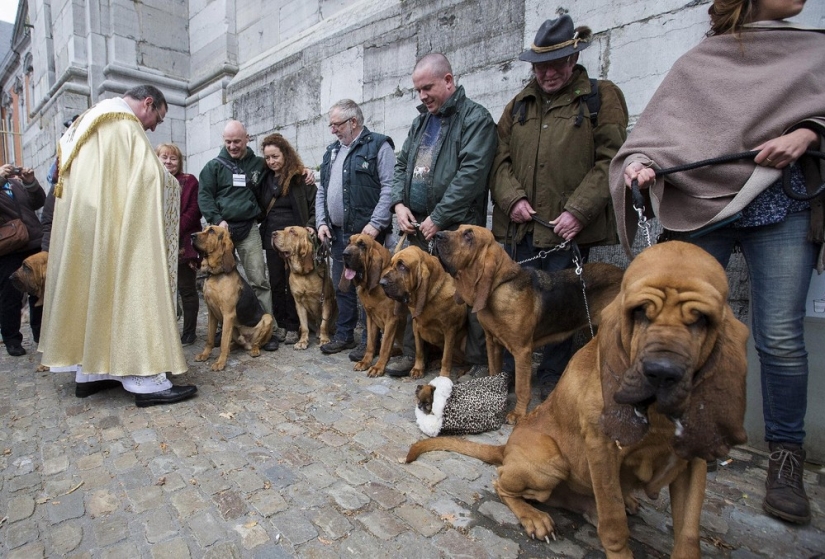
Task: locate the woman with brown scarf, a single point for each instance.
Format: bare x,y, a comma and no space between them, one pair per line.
755,83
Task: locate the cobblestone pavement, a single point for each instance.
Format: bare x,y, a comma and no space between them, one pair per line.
294,454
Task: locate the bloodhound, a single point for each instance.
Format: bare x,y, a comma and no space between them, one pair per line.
229,298
309,282
30,277
417,280
660,390
364,261
521,308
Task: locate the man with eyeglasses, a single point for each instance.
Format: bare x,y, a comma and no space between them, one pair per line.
353,197
555,142
109,312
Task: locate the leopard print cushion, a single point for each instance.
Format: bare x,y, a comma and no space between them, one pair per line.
475,406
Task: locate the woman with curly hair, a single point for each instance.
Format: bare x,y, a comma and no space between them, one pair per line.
287,200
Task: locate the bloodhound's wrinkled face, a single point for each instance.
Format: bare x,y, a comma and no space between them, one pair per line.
296,246
460,248
30,277
217,249
401,277
679,347
361,265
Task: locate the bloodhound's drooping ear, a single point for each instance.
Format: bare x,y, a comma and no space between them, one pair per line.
423,286
619,422
305,254
713,421
476,271
227,252
374,265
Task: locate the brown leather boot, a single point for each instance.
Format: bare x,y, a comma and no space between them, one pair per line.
785,495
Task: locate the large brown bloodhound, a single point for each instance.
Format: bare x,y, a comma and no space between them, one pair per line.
30,277
660,390
310,284
364,261
229,298
521,308
417,280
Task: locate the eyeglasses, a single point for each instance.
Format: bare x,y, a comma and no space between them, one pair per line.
334,125
556,65
157,112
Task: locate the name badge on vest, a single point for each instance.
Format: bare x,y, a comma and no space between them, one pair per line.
238,180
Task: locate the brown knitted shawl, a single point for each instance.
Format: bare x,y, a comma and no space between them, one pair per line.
728,94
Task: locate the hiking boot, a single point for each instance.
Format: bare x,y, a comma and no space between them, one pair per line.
476,371
358,353
336,346
292,337
400,366
785,495
280,334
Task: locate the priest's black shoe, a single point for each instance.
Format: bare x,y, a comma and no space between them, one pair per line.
15,350
86,389
170,396
271,345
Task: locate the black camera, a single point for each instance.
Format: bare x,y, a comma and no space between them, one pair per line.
15,171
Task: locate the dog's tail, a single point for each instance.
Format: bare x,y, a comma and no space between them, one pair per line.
486,452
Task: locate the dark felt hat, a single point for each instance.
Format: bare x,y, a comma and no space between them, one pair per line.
556,39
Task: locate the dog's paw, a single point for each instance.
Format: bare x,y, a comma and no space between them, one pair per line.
375,372
203,356
631,505
255,351
513,418
362,365
301,344
218,365
538,525
42,369
416,373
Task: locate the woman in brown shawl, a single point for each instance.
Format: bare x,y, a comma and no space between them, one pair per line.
755,83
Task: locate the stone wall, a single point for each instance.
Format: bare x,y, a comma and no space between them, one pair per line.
278,65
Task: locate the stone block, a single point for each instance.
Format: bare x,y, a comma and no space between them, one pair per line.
110,530
295,16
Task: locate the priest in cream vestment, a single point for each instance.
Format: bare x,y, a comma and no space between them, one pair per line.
109,311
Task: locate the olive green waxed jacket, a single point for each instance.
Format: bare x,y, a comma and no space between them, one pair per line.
458,194
557,165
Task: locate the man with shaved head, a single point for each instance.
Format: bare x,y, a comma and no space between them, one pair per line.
226,197
440,179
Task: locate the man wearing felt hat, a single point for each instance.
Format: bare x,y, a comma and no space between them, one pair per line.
555,142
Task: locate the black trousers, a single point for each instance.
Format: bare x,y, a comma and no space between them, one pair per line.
188,289
11,301
283,304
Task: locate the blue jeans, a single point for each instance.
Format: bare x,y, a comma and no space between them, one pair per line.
554,356
779,261
347,300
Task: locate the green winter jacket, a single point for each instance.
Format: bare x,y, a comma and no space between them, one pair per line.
557,165
462,166
219,200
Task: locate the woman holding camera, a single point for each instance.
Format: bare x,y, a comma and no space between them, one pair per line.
21,196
